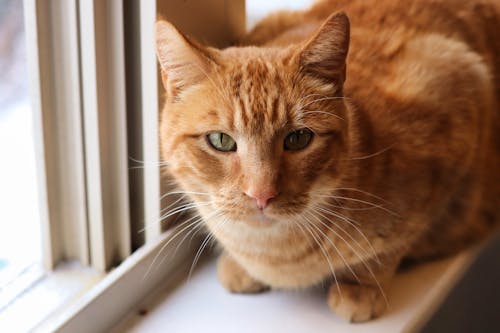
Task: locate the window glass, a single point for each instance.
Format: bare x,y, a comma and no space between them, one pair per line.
19,220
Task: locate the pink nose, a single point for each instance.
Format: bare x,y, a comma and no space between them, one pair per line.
261,197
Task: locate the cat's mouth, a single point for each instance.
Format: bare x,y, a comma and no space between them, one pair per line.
271,215
260,218
254,217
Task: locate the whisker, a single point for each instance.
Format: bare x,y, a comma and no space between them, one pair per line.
177,233
321,112
347,220
333,245
203,246
307,228
361,201
310,95
177,206
147,163
183,193
195,227
176,210
164,246
192,226
323,99
348,208
184,207
364,192
368,268
344,218
345,232
144,167
373,154
173,203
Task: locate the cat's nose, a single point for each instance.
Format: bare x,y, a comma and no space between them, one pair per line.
262,197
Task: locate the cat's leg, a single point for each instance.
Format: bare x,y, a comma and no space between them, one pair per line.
235,279
363,300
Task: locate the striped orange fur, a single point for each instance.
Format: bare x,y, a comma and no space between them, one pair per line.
402,98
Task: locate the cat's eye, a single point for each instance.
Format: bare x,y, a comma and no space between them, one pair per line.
298,140
221,141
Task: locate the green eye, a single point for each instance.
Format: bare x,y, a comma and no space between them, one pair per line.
221,141
297,140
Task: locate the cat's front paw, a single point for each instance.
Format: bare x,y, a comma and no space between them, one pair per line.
235,279
356,303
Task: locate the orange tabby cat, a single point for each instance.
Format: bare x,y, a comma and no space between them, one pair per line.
321,152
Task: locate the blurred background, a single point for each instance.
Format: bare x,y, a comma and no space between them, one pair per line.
19,221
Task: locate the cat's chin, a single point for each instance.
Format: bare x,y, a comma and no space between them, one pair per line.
259,219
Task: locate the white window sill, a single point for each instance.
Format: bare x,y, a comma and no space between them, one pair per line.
202,305
44,294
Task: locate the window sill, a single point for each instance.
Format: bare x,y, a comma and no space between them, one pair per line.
106,299
46,294
202,305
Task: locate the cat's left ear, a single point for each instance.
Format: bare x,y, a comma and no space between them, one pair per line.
183,61
324,55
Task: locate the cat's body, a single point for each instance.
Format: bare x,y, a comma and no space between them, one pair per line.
404,158
406,88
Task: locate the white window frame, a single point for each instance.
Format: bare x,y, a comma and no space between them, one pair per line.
52,49
84,106
102,64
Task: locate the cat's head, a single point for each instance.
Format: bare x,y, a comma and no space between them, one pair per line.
258,135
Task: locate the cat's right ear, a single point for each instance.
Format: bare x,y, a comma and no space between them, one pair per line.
183,61
324,55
